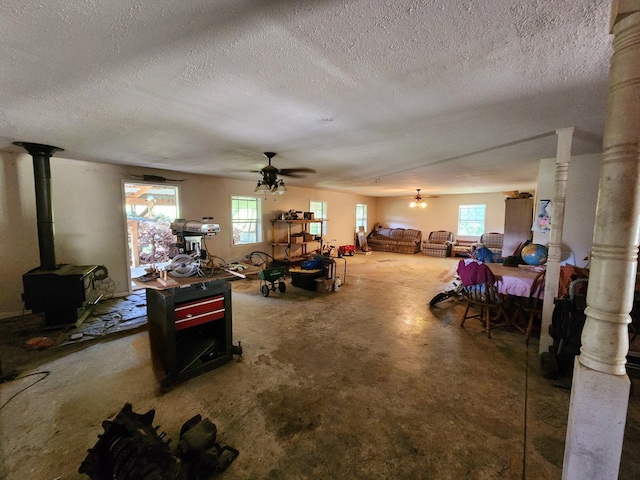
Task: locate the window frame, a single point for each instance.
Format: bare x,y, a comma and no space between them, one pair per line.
313,227
257,230
359,206
471,219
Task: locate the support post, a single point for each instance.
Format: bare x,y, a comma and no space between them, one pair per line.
600,391
552,277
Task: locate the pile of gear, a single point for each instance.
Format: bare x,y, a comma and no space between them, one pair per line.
131,449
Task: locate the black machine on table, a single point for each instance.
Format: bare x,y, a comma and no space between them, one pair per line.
188,257
189,235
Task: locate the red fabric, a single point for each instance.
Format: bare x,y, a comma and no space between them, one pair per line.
568,273
474,273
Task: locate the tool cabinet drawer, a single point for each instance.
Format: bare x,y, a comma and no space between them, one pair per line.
201,311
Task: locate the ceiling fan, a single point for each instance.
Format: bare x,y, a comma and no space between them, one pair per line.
418,200
270,181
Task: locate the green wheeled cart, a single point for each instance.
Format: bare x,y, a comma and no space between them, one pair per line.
272,278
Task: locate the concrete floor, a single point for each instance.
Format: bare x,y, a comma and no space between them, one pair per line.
365,383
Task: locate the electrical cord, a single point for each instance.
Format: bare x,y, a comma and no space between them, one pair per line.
21,317
261,256
222,264
526,398
45,374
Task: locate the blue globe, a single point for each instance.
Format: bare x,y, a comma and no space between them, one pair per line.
535,254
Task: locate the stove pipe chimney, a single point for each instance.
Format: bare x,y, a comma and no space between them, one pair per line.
44,206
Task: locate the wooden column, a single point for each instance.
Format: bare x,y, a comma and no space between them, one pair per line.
552,278
600,389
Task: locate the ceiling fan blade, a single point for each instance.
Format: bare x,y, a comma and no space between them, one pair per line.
156,178
295,172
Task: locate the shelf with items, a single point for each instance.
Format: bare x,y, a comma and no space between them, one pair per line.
291,240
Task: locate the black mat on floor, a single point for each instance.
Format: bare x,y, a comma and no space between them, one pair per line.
109,317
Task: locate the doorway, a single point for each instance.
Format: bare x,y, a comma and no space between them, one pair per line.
150,209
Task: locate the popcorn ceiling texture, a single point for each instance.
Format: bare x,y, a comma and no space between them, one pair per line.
358,90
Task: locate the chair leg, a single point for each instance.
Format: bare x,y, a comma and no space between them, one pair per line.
529,328
464,317
488,321
513,320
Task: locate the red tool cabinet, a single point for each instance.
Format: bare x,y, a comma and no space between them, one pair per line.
189,330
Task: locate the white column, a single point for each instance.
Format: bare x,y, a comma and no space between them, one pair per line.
600,391
552,277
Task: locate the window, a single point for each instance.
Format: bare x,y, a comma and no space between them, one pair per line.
246,225
361,216
471,220
319,210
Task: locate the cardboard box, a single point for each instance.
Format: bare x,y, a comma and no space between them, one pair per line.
306,278
309,216
324,285
297,239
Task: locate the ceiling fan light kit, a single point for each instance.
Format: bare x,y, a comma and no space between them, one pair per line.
271,183
262,188
279,188
417,201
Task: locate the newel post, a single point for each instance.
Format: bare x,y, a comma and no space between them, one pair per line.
600,389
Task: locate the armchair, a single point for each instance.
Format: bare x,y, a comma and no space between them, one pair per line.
493,241
438,244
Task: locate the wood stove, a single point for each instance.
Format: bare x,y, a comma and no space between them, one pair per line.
63,292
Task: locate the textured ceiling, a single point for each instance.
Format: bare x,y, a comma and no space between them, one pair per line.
379,96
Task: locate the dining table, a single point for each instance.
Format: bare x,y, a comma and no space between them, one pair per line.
515,280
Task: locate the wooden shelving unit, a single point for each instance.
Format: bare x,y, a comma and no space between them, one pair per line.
284,249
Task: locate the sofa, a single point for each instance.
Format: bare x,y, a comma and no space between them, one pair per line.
397,240
439,244
493,241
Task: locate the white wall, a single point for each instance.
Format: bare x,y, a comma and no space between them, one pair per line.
580,204
90,224
441,213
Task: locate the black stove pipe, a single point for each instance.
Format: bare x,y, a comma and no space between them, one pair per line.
44,205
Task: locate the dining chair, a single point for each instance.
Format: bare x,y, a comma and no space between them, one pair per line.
480,291
530,308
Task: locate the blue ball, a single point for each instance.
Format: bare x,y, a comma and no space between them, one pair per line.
535,254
